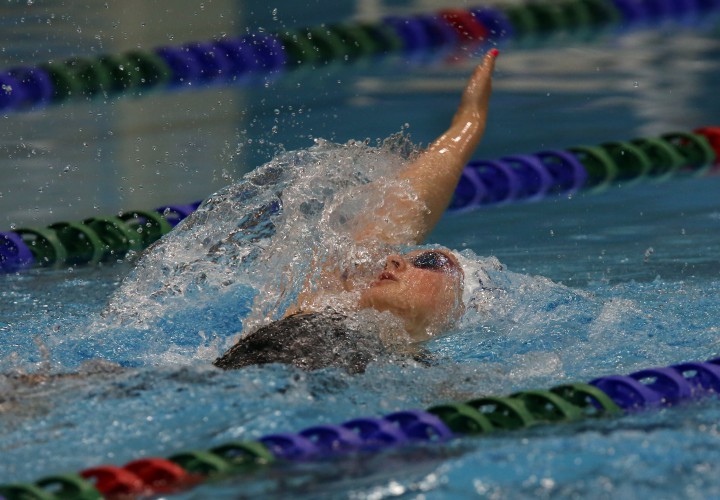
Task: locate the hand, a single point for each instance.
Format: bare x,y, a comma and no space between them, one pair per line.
476,97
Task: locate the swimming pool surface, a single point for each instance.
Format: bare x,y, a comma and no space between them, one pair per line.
597,284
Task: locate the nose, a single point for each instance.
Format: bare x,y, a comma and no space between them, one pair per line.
395,262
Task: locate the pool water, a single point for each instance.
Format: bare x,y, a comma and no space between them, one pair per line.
596,284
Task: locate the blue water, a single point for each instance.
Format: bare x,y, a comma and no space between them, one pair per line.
601,283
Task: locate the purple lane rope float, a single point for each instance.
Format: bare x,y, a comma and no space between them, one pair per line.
260,56
511,179
608,396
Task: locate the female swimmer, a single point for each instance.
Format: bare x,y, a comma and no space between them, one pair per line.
422,289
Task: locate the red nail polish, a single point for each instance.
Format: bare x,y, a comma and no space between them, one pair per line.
494,52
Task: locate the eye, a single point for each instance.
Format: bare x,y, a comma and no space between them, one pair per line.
430,260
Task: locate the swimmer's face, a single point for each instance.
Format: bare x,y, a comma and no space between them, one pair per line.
423,288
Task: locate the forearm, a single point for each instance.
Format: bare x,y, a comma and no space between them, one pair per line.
434,175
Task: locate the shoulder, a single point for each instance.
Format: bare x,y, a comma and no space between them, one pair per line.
307,340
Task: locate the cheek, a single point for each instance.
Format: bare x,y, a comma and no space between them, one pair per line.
431,292
442,292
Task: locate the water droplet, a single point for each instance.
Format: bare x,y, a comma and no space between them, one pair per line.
648,253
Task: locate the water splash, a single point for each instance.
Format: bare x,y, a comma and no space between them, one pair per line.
256,243
243,257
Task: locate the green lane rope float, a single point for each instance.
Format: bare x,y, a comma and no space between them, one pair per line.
504,413
601,168
97,239
462,418
117,238
695,149
664,157
261,55
604,397
632,162
511,179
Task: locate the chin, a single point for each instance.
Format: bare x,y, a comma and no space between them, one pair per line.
382,298
383,283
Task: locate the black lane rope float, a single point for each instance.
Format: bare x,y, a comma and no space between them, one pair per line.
257,56
511,179
608,396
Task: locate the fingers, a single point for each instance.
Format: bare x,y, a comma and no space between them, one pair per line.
489,60
484,71
479,87
490,57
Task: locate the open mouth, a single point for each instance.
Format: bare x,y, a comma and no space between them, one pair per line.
386,276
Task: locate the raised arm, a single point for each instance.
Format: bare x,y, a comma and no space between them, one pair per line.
432,177
434,174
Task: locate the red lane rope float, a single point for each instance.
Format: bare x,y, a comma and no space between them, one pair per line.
114,481
162,476
468,27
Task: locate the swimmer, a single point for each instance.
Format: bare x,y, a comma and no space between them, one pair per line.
423,289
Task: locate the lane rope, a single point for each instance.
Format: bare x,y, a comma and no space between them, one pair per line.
262,56
510,179
603,397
